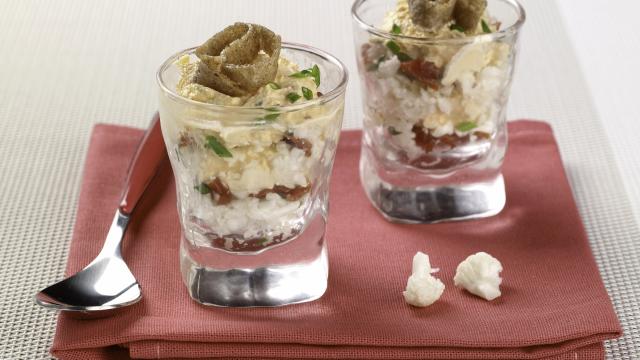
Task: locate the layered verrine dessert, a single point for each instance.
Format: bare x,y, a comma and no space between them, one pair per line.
435,75
251,127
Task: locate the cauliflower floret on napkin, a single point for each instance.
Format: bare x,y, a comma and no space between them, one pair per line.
479,274
422,288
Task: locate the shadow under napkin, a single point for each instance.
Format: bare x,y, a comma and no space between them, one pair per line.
553,306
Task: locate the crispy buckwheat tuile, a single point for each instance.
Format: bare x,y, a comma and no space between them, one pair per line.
239,60
468,13
431,14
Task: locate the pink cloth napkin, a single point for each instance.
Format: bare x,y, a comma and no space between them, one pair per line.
553,303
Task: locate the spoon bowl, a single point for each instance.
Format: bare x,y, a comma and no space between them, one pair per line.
107,284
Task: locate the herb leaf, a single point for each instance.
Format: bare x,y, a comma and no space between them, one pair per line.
203,188
403,57
313,72
393,46
485,27
456,27
393,131
293,97
274,86
271,117
308,94
214,144
466,126
396,29
397,51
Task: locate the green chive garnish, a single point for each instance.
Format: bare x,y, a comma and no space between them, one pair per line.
396,29
202,188
397,51
393,46
300,74
313,72
374,66
403,57
308,94
274,86
293,97
466,126
214,144
271,117
485,27
456,27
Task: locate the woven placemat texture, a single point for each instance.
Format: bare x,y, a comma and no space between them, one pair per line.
69,64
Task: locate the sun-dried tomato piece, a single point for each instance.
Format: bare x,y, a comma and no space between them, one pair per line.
482,135
425,72
424,140
185,140
302,144
290,194
221,190
452,140
432,160
298,192
238,244
262,193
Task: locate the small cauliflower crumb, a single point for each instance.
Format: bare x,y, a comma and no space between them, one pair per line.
422,288
479,274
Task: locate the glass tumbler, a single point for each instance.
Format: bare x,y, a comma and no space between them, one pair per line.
434,115
254,213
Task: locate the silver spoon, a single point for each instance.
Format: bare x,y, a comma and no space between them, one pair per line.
107,283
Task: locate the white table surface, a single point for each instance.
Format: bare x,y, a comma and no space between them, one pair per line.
65,65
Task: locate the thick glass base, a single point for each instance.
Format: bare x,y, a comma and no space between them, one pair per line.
290,273
439,202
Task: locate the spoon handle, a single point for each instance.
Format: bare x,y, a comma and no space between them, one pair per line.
149,155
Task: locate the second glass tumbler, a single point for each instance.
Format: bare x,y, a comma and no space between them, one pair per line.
434,110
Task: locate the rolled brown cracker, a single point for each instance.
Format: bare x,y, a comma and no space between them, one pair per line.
431,14
239,60
468,13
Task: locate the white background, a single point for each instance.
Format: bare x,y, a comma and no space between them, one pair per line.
606,38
